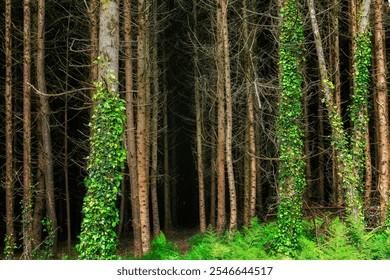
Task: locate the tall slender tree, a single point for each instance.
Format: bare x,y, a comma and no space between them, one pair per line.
249,44
382,111
45,126
199,121
154,124
130,132
143,120
221,125
350,161
27,184
10,238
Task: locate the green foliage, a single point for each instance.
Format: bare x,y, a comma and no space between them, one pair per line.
292,181
338,243
319,240
10,247
359,114
161,249
98,239
44,252
254,242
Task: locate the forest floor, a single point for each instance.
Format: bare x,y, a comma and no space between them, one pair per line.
180,237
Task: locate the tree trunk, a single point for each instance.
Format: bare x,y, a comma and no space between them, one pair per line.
199,121
39,203
27,184
368,175
167,176
154,126
383,115
94,43
229,116
221,218
66,148
213,172
45,126
249,39
335,53
130,132
348,165
321,153
142,123
309,177
9,178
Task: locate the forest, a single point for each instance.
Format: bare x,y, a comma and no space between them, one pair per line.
194,129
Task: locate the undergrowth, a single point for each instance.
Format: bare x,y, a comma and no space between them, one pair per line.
318,241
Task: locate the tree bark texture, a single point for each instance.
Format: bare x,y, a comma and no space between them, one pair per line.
221,158
9,178
143,123
131,131
45,125
27,184
382,112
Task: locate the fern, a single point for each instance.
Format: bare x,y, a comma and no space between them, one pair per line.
161,249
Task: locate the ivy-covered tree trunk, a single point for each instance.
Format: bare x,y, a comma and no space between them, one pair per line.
292,181
350,161
98,239
359,114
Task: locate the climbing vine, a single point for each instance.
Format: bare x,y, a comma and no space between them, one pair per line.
289,132
358,108
359,118
9,247
98,239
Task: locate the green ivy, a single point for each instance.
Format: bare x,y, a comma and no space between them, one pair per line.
98,239
358,108
292,182
10,247
44,251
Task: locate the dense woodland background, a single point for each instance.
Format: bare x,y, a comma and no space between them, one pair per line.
202,87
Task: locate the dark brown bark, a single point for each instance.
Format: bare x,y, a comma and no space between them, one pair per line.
213,183
321,153
154,126
199,122
66,149
336,77
382,109
122,209
221,211
130,131
27,184
94,42
307,153
142,123
39,193
9,180
45,125
167,178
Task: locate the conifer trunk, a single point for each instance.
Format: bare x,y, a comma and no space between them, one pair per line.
382,111
130,132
